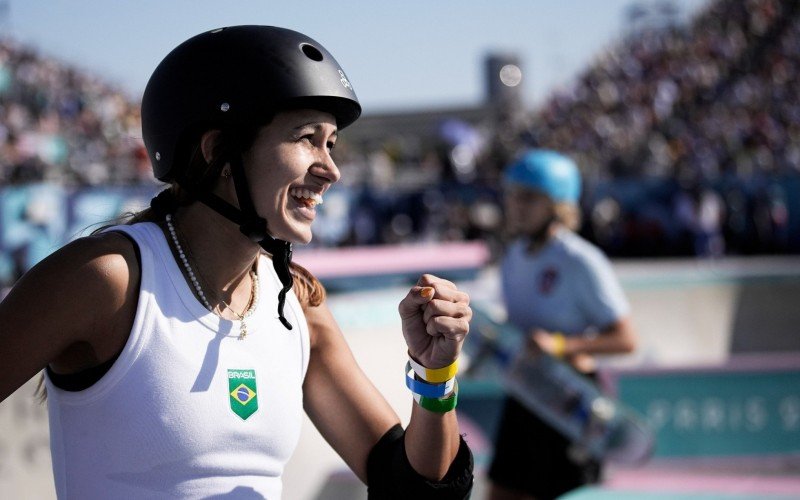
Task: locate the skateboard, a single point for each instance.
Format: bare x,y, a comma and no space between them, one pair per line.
597,425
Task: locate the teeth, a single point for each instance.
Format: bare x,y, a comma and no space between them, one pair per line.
307,194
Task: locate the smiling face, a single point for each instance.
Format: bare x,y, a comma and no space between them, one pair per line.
289,168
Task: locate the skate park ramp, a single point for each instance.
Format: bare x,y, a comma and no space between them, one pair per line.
702,325
705,326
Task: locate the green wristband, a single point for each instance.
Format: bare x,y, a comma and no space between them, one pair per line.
439,405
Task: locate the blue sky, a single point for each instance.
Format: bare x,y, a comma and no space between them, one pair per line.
401,54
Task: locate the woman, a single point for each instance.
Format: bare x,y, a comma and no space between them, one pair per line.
562,290
181,349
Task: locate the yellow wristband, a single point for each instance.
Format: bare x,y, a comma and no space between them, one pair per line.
559,345
434,375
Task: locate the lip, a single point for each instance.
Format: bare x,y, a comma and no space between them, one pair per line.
308,213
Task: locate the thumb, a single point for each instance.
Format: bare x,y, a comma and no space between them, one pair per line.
417,297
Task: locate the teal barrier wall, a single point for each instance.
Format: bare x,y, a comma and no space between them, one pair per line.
725,412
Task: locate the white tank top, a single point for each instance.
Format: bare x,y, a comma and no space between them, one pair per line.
187,410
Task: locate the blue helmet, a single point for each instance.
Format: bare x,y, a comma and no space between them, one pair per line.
550,172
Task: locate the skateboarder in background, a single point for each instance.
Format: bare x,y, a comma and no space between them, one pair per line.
560,289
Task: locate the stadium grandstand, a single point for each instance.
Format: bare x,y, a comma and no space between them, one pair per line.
687,135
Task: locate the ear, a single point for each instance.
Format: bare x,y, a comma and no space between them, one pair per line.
208,142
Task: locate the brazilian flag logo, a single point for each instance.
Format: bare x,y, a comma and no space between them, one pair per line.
243,393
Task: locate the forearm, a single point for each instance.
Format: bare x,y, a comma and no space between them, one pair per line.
432,441
618,338
429,459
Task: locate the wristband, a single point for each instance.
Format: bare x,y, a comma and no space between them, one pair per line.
439,405
425,389
559,345
434,375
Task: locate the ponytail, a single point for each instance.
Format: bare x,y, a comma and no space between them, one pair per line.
165,202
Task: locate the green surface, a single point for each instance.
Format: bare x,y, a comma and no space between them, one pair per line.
718,413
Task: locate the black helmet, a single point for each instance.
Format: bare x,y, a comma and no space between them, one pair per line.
235,76
234,79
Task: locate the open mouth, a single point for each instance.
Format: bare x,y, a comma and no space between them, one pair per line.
306,197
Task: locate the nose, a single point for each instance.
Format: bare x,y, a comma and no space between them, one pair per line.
326,168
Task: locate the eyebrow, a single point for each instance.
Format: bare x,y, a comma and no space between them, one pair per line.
315,126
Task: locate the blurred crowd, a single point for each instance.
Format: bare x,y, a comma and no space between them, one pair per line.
718,96
712,109
687,134
62,125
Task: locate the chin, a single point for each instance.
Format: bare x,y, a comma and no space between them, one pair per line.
303,241
301,237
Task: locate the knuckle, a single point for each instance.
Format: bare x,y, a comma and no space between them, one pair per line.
460,326
430,327
427,279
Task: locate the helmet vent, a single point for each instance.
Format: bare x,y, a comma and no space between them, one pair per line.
311,52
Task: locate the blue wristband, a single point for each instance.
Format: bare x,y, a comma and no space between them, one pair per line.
426,389
439,405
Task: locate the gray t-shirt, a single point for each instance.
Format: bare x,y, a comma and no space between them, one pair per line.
568,286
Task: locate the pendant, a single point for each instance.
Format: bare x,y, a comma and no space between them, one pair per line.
243,331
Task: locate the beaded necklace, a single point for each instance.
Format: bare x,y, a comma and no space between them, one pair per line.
199,289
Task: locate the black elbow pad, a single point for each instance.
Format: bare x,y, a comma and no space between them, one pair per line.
391,477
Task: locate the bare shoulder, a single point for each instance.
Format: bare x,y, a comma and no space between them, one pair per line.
324,332
93,267
72,310
84,285
322,327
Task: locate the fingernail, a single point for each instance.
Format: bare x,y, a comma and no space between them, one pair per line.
427,292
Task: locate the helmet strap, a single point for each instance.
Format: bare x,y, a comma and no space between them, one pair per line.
254,227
